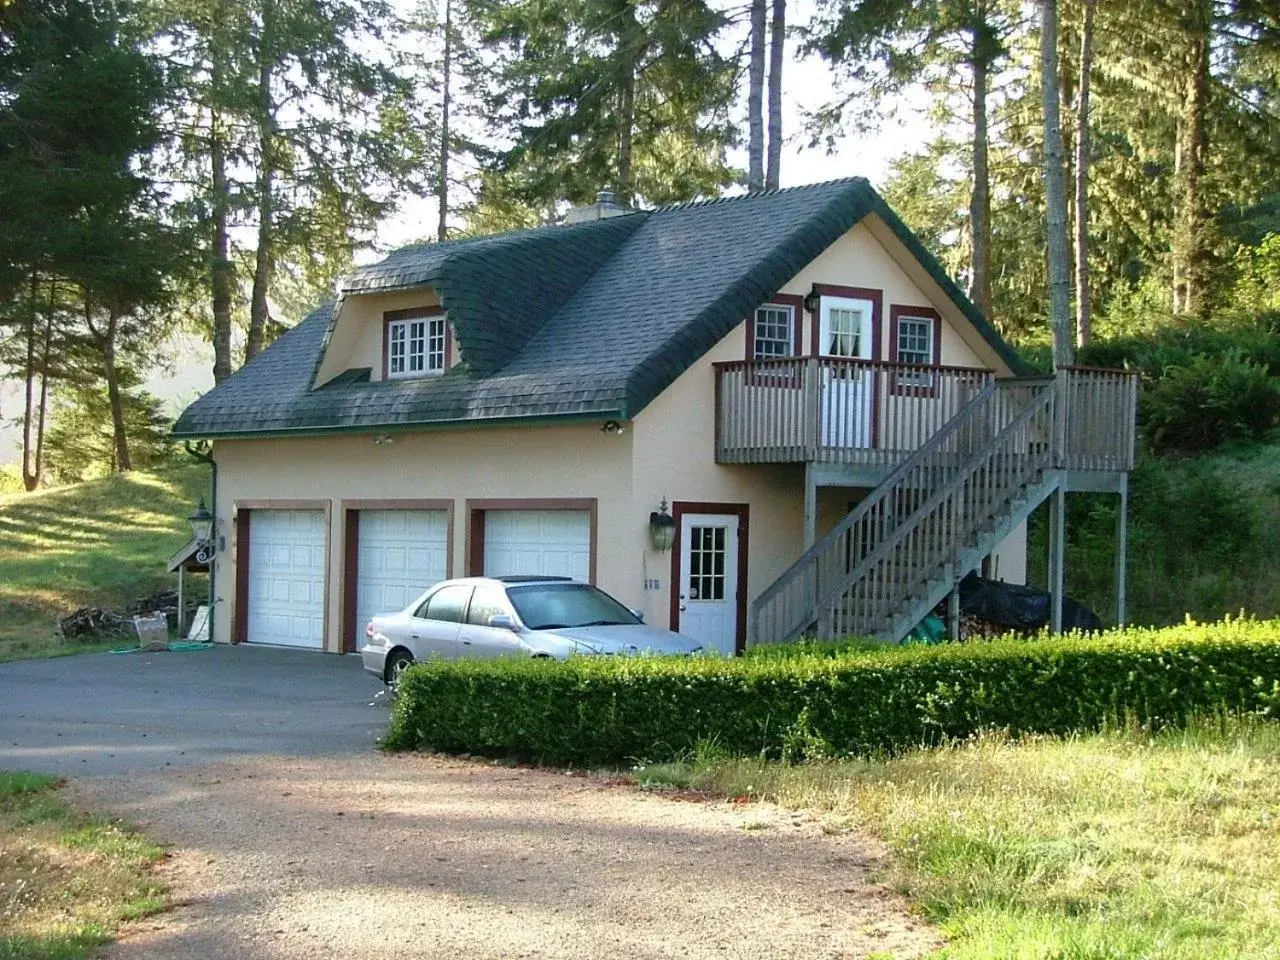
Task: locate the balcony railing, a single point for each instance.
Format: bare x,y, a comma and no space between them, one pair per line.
873,413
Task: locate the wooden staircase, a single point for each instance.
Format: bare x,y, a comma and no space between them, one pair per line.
900,551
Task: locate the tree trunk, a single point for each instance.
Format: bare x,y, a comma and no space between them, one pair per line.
1055,190
1189,240
629,53
258,313
755,98
442,190
118,431
30,461
777,59
222,271
46,348
1084,297
980,199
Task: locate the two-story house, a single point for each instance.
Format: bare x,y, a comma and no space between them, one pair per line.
768,414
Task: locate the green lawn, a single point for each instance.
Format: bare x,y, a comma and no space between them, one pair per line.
101,543
1114,846
67,879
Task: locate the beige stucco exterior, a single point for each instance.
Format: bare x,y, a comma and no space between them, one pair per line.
668,451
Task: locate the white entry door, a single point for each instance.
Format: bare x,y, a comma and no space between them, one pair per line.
286,577
402,553
845,331
708,601
551,543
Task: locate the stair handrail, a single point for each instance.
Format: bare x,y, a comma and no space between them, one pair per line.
859,570
880,493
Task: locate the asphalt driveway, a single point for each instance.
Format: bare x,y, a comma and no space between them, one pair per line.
107,714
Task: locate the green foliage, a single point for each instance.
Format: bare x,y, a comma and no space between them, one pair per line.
1204,539
1209,402
10,480
80,444
613,710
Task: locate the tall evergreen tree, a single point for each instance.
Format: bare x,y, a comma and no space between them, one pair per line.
1055,189
777,61
882,47
629,94
755,95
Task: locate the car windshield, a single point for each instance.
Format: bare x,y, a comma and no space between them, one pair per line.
549,606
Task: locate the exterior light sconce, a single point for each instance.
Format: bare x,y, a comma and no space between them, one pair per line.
612,428
662,528
811,301
383,439
202,529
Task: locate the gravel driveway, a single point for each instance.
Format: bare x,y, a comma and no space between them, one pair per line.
292,837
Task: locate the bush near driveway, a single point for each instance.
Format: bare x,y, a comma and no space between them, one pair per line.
603,710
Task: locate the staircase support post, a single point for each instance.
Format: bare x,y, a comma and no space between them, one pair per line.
953,614
810,506
1122,548
1057,555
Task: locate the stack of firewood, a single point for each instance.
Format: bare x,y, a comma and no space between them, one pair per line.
90,623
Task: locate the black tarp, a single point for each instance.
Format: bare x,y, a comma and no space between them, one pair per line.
1019,608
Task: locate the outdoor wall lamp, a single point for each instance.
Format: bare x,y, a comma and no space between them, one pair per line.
202,529
662,528
612,428
811,301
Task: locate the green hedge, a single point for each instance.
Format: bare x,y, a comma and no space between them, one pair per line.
598,711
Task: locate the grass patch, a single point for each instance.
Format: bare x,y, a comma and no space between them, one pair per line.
1119,845
67,879
101,543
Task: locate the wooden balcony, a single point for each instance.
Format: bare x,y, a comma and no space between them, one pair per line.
869,413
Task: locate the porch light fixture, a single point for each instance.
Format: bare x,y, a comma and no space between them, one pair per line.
202,530
811,301
612,428
662,528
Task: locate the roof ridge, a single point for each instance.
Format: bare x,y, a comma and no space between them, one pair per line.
502,235
756,194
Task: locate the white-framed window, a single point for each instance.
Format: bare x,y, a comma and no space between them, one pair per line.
774,332
915,340
416,346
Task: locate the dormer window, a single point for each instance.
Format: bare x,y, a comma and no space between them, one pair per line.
417,343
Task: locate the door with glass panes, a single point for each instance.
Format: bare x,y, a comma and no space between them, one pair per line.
708,584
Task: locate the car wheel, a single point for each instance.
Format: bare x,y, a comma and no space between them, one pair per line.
397,663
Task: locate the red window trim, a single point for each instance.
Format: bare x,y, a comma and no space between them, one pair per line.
743,512
412,313
853,293
795,303
896,312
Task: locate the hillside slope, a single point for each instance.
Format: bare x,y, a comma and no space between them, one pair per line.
102,543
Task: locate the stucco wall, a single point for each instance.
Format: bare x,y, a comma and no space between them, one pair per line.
669,451
498,463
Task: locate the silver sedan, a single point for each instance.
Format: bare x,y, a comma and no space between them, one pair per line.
486,617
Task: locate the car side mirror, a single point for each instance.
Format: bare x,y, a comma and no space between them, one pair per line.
638,614
500,621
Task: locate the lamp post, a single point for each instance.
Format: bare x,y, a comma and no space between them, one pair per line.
662,528
202,529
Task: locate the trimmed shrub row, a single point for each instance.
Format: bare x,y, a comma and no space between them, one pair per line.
598,711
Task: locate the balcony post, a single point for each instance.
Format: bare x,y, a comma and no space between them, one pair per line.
1122,548
810,506
1057,555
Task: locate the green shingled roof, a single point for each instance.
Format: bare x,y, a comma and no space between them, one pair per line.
590,320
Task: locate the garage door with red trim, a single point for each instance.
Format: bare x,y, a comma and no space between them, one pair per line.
402,553
286,578
554,543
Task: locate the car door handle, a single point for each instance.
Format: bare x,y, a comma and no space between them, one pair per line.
466,643
415,636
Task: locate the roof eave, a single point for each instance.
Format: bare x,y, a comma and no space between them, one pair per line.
541,419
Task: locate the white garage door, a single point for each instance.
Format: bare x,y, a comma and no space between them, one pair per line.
554,543
286,577
402,552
